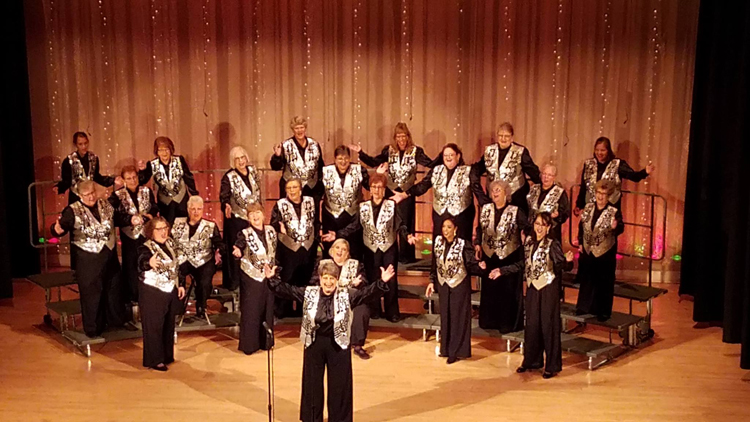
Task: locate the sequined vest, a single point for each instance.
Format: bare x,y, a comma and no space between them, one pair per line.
509,170
78,173
611,172
91,234
349,271
300,230
304,168
197,249
450,265
166,276
242,195
342,316
549,204
539,270
129,207
256,255
342,198
503,239
378,235
171,187
601,238
452,196
402,172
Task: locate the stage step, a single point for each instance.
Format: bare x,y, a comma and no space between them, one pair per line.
52,280
629,291
598,352
617,322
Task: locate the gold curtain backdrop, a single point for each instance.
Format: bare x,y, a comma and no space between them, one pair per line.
212,74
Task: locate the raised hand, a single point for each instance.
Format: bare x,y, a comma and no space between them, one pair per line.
569,256
387,273
411,239
354,148
650,168
141,165
154,262
236,252
119,182
58,227
494,274
382,168
277,150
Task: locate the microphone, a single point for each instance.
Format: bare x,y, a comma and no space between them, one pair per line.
269,330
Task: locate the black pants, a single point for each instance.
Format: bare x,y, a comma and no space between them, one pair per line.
464,222
597,278
360,324
331,223
202,280
129,276
256,307
322,353
296,269
373,261
231,267
158,312
174,209
501,302
455,319
518,198
98,278
543,327
407,211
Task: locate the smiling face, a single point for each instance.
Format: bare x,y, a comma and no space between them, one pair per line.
602,197
402,140
451,158
504,138
164,153
256,219
340,253
342,163
294,191
299,131
377,190
449,230
498,196
328,284
601,153
540,228
548,176
161,232
82,145
240,161
131,180
88,195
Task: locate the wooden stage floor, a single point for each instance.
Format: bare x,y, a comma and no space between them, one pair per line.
684,374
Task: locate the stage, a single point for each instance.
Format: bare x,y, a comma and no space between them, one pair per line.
683,374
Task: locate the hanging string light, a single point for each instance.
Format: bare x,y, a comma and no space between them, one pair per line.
357,66
557,55
459,75
604,57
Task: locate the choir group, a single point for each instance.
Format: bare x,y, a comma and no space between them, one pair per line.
165,237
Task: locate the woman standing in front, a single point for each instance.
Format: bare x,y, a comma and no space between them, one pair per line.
400,158
544,260
240,187
256,248
325,332
172,177
160,294
453,264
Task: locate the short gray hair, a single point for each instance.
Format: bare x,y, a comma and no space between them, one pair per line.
328,268
193,199
503,184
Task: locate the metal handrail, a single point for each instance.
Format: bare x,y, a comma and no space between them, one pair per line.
650,227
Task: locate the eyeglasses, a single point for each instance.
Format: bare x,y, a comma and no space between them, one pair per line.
160,229
377,187
163,150
538,224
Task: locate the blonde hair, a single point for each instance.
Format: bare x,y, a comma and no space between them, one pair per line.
503,184
607,185
236,152
296,121
341,242
86,185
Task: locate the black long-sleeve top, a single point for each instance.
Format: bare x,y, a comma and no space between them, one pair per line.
624,171
563,206
144,256
66,174
479,168
325,313
522,222
187,176
225,194
597,213
68,219
470,262
315,280
419,155
276,220
559,263
278,162
356,224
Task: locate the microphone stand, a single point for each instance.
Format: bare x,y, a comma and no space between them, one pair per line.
269,355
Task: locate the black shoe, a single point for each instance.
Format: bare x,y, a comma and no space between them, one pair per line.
394,318
374,316
160,367
547,375
521,370
361,352
200,312
451,360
